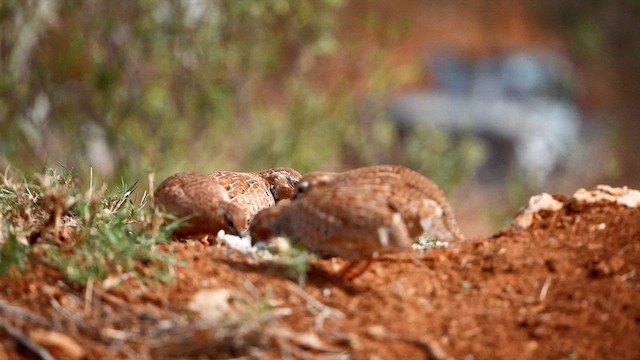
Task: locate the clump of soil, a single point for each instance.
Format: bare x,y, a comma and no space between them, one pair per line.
563,286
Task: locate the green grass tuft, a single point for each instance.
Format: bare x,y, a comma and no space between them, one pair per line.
12,254
87,235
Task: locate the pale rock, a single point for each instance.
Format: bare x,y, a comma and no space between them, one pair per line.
61,346
212,304
242,244
541,202
621,195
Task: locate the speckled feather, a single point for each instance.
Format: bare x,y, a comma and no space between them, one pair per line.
257,190
247,190
345,221
207,203
422,204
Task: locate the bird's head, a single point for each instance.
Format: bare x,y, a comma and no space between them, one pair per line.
282,181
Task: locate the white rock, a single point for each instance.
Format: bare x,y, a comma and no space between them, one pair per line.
242,244
211,304
621,195
537,203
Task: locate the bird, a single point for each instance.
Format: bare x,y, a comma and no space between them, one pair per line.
206,205
257,190
422,204
360,213
339,219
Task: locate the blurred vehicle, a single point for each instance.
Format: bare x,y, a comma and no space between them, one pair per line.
518,104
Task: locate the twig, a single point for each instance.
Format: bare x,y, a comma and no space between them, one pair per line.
104,295
430,347
23,314
313,301
88,296
38,351
150,178
544,289
64,312
323,311
102,334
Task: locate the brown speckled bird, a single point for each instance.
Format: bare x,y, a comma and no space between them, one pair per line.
206,203
344,220
257,190
360,213
423,206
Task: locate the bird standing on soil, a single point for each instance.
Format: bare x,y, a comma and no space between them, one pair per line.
342,221
206,203
360,213
422,204
257,190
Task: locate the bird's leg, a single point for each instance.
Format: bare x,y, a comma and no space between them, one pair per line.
352,271
204,239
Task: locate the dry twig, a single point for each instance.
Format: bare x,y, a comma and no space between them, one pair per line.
15,311
317,307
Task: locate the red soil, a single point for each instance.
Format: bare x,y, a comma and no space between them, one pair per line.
566,287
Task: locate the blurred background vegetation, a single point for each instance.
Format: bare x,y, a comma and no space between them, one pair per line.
129,87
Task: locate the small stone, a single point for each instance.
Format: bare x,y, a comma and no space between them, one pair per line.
616,263
602,268
211,304
531,346
281,245
242,244
377,332
59,345
542,202
539,332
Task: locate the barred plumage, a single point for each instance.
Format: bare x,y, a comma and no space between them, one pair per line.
257,190
360,213
206,203
422,204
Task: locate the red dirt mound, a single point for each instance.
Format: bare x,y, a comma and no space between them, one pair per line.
564,287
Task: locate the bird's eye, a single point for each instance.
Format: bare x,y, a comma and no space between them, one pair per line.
301,187
228,218
230,223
